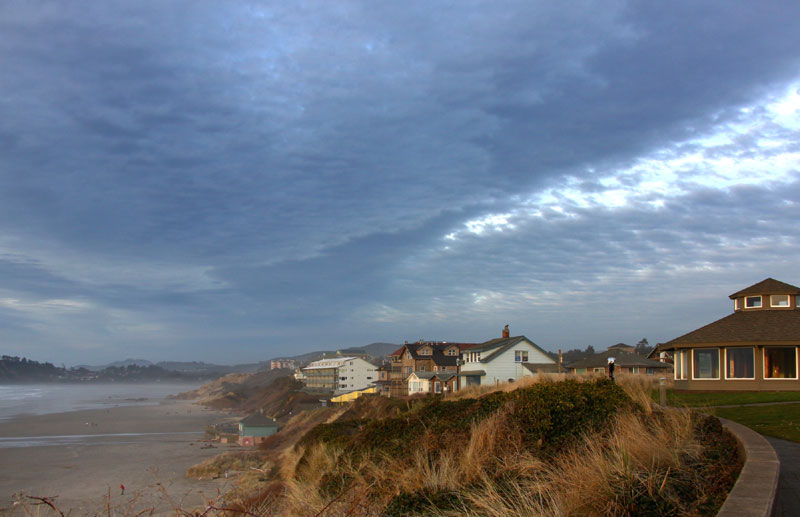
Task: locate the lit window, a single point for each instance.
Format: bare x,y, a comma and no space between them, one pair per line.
520,356
706,364
779,300
780,363
739,363
752,302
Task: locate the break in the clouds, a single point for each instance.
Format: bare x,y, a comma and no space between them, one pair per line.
232,182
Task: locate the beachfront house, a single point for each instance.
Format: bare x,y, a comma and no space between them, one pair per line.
255,428
423,357
505,359
753,349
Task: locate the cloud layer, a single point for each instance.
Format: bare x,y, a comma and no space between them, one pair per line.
188,180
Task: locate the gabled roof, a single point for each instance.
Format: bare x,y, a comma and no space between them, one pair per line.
442,376
625,360
257,420
438,356
500,345
744,326
768,286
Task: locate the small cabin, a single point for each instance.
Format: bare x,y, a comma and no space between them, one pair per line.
255,428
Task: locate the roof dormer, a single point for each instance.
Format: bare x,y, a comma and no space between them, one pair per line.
769,294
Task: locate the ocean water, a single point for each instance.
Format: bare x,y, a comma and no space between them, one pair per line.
41,399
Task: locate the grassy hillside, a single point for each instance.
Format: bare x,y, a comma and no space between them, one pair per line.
571,448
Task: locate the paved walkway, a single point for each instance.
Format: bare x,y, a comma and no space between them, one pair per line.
788,502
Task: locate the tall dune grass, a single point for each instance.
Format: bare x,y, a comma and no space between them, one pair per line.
647,461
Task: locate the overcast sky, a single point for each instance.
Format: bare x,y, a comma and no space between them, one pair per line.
233,181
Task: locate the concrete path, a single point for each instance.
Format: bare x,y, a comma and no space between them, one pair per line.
788,501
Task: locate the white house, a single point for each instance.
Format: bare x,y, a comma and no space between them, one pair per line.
503,360
339,374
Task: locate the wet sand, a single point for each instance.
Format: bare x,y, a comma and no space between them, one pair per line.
80,458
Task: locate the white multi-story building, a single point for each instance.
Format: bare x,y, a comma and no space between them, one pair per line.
340,374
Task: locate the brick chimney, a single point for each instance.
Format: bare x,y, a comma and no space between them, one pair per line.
506,332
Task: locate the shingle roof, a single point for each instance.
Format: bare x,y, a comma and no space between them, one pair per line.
745,326
442,376
541,367
438,357
768,286
257,420
472,372
624,359
500,345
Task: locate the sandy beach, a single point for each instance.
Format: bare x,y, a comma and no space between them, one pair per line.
83,456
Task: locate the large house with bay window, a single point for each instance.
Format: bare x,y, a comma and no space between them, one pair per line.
753,349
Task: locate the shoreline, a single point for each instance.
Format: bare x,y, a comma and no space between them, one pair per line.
82,457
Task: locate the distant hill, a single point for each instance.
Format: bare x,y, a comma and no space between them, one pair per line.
190,367
377,350
116,364
23,370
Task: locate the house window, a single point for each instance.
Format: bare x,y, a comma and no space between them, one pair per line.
706,363
780,363
520,356
651,371
437,387
634,369
422,368
452,351
681,365
739,363
779,300
600,370
408,370
369,378
751,302
737,304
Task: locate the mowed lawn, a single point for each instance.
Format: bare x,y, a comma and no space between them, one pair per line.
723,398
779,420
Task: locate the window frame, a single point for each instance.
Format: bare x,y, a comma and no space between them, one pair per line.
760,302
727,378
681,359
694,364
520,356
737,304
764,364
788,300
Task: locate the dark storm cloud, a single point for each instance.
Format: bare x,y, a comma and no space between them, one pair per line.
260,165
